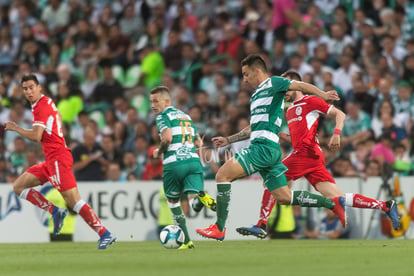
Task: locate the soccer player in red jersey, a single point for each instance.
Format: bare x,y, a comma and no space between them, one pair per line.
57,168
308,160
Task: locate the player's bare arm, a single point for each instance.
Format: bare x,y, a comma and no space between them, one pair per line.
34,134
312,89
166,139
285,137
335,141
239,136
198,142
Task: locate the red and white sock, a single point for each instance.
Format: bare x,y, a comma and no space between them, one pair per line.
360,201
268,202
37,199
89,216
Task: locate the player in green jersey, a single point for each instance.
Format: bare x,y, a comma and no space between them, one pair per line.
182,172
264,153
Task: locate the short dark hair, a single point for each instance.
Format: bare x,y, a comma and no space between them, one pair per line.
30,77
294,75
160,89
254,60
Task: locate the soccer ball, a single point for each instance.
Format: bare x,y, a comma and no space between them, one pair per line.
172,236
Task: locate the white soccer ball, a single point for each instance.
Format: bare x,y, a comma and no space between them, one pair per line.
172,236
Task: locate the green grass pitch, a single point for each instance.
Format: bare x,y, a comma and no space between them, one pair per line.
212,258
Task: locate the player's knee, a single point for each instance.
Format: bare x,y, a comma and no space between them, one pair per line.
222,176
17,189
281,196
18,186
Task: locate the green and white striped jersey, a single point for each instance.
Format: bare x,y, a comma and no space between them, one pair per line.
183,135
266,110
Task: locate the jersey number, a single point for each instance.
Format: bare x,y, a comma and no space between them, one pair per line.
186,132
49,125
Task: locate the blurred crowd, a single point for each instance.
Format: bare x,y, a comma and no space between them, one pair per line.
99,59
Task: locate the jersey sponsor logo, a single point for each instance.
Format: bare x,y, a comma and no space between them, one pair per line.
306,199
259,110
299,118
183,153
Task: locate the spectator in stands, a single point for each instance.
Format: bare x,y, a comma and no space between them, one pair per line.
79,126
152,67
69,103
109,88
153,169
172,53
130,23
382,151
342,167
231,42
17,157
130,165
344,74
85,41
56,16
373,168
182,98
90,82
114,173
329,228
89,160
65,76
285,13
32,158
280,61
356,125
112,153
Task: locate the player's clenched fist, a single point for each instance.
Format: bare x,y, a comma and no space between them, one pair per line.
10,126
220,141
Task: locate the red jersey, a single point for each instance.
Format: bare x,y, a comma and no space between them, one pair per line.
302,117
45,114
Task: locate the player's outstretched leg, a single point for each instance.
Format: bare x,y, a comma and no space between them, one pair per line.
58,215
339,210
212,232
106,240
90,217
259,230
392,213
389,207
217,231
253,231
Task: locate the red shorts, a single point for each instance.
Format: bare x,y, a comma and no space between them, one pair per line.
311,166
57,171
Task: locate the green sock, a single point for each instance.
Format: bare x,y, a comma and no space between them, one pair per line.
307,199
179,218
223,200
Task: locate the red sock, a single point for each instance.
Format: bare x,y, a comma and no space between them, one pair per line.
268,202
360,201
89,216
37,199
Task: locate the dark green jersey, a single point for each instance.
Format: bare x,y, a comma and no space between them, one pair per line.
183,135
266,110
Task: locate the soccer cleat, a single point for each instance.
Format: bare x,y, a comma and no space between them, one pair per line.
212,232
58,217
252,231
207,200
393,213
188,245
106,240
339,210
